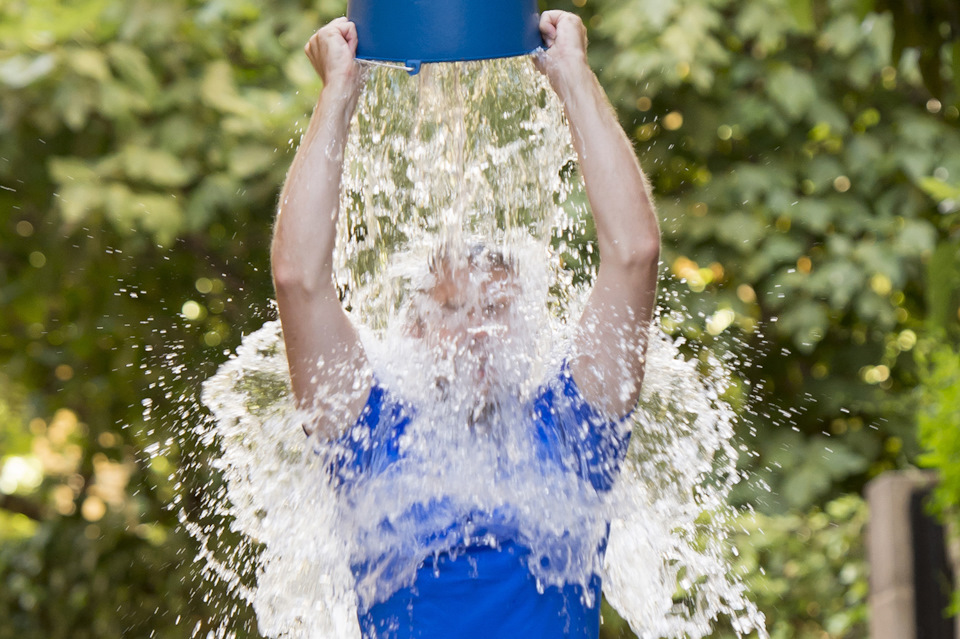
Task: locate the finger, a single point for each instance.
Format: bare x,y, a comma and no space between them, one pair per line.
548,25
312,45
551,17
332,27
549,36
567,21
347,30
343,27
351,37
549,33
330,32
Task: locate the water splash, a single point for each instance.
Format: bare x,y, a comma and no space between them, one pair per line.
459,154
463,160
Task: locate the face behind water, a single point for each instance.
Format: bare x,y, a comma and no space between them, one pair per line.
467,318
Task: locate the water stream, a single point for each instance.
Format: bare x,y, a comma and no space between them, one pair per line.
466,168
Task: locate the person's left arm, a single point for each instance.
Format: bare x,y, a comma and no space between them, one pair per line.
609,351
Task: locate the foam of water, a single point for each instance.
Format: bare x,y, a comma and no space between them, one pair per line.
464,158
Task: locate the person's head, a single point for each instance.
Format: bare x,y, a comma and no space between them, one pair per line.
464,313
466,299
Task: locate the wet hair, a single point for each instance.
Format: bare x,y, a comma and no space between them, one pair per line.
493,258
477,255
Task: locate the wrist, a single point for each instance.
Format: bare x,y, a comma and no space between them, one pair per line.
337,100
569,75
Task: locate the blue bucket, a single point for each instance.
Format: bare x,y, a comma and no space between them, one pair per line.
416,31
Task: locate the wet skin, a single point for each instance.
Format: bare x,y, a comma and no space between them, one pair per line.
465,316
329,369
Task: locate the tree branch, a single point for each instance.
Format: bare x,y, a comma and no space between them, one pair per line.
22,506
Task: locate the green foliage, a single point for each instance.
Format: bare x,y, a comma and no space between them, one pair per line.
943,290
141,149
75,580
932,28
809,188
806,572
805,180
939,428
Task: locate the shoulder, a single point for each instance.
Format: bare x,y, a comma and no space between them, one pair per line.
372,440
568,423
561,392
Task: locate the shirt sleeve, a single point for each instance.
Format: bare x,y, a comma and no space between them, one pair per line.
372,442
579,436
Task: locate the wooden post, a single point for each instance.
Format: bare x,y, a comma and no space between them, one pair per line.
898,536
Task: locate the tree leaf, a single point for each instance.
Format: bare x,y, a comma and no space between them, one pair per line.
78,200
133,67
938,189
154,166
943,286
250,159
842,34
89,63
70,169
159,214
917,238
21,71
219,91
792,89
813,214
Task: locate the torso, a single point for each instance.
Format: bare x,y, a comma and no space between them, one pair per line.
475,573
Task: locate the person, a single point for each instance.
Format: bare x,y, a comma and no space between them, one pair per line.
478,589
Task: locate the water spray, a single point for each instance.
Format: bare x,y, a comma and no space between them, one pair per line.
467,152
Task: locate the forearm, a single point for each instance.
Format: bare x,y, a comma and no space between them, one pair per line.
627,231
305,233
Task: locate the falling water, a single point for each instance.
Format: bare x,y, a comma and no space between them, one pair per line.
466,160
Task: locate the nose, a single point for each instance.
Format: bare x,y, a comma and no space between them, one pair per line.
484,336
478,332
480,344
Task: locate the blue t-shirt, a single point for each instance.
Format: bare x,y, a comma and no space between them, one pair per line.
478,589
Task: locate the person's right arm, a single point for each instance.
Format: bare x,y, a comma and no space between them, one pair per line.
328,368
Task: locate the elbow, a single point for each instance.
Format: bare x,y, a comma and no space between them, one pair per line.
301,263
285,272
640,253
293,276
282,267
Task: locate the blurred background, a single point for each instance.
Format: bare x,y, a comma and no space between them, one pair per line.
805,155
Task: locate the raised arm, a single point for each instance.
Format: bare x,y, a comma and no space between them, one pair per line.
328,368
609,351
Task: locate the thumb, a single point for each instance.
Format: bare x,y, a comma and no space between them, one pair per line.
349,32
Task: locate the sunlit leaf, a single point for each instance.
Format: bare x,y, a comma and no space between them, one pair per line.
160,215
219,91
793,89
938,189
77,200
21,70
842,34
133,67
248,160
89,63
154,166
